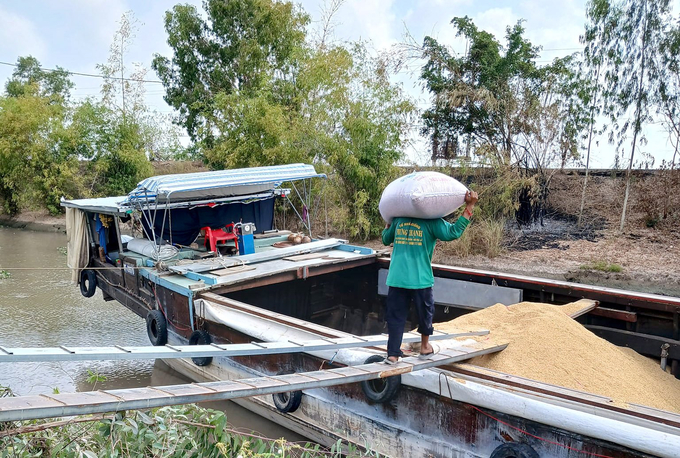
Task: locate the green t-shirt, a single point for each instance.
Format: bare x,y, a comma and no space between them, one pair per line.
414,240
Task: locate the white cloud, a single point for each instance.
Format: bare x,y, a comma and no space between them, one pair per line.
19,36
496,21
102,17
371,20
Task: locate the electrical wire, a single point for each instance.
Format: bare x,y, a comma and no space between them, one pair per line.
67,268
89,75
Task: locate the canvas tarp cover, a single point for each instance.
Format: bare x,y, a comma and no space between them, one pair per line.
76,242
186,223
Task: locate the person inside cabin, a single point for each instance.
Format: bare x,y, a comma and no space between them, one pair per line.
410,276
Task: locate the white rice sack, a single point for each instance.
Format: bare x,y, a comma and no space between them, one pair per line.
425,195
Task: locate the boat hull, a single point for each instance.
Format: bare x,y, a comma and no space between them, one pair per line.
419,422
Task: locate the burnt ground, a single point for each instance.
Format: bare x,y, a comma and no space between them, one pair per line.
552,231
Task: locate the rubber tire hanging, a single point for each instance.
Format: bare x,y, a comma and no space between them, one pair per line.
201,337
288,401
380,390
88,282
157,327
514,450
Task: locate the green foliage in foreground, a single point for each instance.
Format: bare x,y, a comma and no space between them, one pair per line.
602,266
181,431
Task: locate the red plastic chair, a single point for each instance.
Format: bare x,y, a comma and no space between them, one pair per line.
215,236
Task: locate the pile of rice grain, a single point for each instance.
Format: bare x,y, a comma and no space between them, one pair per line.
546,345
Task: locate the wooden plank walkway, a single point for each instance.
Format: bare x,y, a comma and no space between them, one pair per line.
62,353
68,404
580,307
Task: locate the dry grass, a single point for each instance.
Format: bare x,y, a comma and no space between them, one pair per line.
484,237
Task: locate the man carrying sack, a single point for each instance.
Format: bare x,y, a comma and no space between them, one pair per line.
410,275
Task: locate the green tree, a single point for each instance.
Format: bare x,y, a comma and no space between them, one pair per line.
629,35
28,78
253,91
119,134
495,103
239,47
123,91
375,121
669,87
37,167
479,96
591,98
115,149
344,114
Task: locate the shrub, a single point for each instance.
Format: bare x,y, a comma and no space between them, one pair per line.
178,431
602,266
483,237
657,198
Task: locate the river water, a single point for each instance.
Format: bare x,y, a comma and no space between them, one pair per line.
40,307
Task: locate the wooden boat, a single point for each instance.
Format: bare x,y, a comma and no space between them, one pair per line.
327,288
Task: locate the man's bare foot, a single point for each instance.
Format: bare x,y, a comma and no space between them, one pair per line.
391,360
428,350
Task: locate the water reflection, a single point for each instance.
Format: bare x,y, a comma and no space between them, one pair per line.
41,308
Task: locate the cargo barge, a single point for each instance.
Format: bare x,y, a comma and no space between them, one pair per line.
256,284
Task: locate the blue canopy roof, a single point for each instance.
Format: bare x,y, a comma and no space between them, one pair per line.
218,184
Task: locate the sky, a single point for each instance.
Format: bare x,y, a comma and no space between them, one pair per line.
76,35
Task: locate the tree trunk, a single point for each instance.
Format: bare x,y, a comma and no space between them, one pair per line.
667,203
637,125
625,198
590,140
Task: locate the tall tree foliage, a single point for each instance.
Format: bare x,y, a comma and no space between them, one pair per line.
119,133
495,103
37,162
252,90
669,87
28,78
239,46
628,34
374,120
123,90
591,99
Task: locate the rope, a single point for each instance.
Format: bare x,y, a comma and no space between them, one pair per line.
330,362
515,427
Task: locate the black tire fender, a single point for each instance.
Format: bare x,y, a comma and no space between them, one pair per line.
289,401
201,337
383,389
157,327
514,450
88,282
